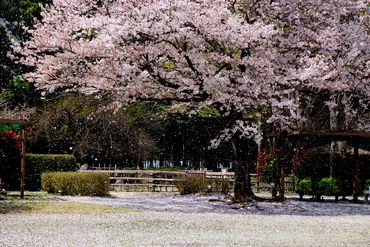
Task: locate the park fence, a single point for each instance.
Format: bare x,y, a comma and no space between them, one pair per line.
165,181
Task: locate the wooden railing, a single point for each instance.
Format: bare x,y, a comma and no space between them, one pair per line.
164,181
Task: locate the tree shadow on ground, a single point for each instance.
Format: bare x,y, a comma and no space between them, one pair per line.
293,206
12,203
221,204
7,207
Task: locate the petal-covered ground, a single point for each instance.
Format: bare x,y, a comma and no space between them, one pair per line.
171,202
157,219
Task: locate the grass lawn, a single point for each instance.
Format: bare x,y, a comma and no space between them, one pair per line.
38,202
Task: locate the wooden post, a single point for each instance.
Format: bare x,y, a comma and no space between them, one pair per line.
357,168
275,179
282,178
281,159
280,149
23,163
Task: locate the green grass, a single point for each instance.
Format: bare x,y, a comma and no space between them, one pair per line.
71,207
37,202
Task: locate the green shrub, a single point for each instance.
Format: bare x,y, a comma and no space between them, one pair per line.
192,185
36,164
367,183
304,187
199,184
329,186
76,183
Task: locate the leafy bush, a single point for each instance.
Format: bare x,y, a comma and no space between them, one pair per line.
36,164
76,183
304,187
329,186
367,184
199,184
192,185
326,186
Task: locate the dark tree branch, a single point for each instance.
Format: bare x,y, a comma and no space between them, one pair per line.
195,98
196,72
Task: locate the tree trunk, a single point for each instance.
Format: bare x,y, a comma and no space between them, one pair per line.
242,187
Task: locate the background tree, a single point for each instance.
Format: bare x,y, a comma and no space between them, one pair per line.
15,16
186,139
87,127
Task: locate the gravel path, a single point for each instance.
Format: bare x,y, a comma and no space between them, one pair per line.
170,220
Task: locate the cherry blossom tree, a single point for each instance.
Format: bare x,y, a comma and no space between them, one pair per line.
327,44
249,60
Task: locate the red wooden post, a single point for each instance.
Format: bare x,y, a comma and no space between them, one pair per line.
357,168
23,163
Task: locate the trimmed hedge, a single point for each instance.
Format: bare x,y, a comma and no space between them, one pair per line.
76,183
192,185
36,164
199,184
326,186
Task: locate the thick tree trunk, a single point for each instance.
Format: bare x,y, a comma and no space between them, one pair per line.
242,187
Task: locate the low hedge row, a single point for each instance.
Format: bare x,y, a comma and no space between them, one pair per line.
36,164
199,184
326,186
76,183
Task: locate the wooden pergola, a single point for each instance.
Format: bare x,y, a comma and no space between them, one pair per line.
23,150
350,136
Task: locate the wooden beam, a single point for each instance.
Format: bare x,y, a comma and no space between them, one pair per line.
332,134
12,121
